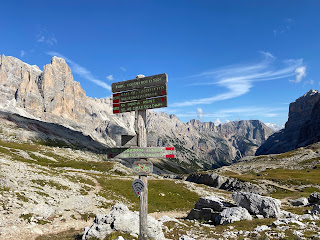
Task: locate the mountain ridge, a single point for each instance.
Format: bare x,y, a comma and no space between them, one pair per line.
52,95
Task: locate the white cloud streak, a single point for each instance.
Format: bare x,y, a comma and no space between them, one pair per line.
301,73
22,53
110,77
250,111
76,68
238,80
123,69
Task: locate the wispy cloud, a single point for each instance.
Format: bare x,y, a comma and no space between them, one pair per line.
123,69
239,79
200,113
283,27
22,53
110,77
249,111
76,68
301,73
44,36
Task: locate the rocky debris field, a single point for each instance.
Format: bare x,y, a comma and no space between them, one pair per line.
249,216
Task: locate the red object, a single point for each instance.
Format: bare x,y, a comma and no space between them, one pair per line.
169,148
110,155
162,99
163,92
170,156
116,111
116,94
116,101
116,105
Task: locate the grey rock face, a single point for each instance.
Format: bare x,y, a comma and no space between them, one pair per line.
300,202
206,214
123,220
230,215
314,197
258,205
225,183
316,209
216,204
301,129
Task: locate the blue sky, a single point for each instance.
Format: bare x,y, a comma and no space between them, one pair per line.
225,60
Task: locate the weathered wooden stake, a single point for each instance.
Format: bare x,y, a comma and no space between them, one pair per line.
140,118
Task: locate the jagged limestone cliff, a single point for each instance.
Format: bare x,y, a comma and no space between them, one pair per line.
301,129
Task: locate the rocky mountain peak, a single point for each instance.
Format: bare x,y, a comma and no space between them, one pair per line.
301,128
311,92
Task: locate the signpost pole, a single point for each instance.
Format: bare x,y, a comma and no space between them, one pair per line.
141,117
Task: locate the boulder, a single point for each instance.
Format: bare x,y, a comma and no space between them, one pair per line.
206,214
230,215
216,204
258,205
185,237
43,210
123,220
316,209
226,183
314,197
300,202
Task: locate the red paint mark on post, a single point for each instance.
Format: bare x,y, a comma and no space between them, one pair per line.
169,148
170,156
116,101
116,111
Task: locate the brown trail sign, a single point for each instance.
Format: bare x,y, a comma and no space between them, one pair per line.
145,90
141,152
140,94
143,104
150,81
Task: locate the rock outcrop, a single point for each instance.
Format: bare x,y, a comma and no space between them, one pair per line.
258,205
301,129
233,214
226,183
314,198
123,220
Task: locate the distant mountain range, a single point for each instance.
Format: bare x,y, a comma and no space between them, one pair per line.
53,96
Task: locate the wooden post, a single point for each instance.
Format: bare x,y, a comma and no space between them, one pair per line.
141,117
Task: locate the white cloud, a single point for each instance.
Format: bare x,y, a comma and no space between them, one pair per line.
76,68
238,80
123,69
110,77
200,113
274,127
217,122
22,53
300,73
244,112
